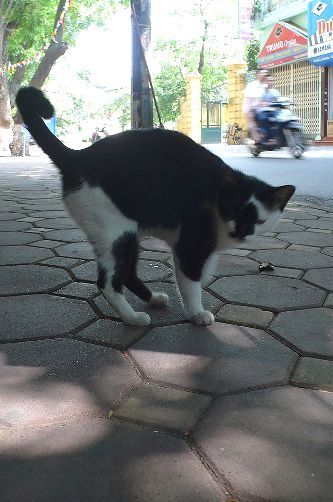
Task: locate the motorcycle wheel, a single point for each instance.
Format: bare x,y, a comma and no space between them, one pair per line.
254,151
297,151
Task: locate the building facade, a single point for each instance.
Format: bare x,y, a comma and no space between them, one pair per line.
283,26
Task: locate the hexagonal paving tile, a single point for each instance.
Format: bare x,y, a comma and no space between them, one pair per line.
14,255
322,277
119,462
172,313
248,316
153,270
57,223
59,261
79,290
10,216
310,330
263,243
13,226
235,265
60,378
73,235
161,407
217,359
299,214
314,374
155,255
43,206
152,244
294,258
86,272
308,238
274,293
77,250
45,243
114,334
17,238
41,316
287,226
31,279
50,214
39,193
329,301
272,444
325,223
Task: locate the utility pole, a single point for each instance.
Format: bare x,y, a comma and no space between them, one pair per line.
141,96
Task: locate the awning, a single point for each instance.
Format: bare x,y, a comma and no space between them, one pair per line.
285,44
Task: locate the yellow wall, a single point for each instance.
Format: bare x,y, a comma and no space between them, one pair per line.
189,121
232,112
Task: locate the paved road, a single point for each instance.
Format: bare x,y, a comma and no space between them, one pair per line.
312,175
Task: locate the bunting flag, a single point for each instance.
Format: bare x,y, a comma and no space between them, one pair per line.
9,68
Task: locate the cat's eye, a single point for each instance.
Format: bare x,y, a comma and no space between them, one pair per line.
261,222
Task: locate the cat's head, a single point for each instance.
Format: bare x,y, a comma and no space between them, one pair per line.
256,208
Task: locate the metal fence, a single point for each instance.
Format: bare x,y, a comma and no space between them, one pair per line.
302,82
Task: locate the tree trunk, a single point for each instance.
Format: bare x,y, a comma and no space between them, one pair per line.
5,118
55,50
19,148
141,102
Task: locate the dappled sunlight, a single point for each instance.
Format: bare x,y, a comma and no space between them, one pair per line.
255,451
271,441
27,400
217,359
51,440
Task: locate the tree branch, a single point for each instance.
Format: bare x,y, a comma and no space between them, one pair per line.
53,52
202,52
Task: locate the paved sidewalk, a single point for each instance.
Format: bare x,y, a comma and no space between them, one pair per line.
92,410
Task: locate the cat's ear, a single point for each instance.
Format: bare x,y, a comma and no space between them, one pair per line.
280,196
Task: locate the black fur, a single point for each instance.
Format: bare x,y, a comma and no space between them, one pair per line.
126,253
102,276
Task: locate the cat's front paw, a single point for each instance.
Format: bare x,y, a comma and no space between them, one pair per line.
204,318
139,319
159,300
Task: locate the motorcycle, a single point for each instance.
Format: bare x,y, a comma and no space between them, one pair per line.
279,127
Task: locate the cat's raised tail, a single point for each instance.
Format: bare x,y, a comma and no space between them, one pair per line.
34,107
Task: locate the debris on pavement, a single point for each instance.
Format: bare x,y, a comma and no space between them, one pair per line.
266,266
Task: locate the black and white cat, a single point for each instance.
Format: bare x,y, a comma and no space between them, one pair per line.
160,183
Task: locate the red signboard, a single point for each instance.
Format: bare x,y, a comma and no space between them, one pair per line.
284,45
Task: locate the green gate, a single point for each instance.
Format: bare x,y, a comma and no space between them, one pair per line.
211,119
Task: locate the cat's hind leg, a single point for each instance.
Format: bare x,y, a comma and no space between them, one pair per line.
116,269
112,274
126,252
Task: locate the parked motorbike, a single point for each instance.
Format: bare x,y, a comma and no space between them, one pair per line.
279,127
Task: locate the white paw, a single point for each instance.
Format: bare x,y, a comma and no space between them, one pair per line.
139,319
159,299
204,318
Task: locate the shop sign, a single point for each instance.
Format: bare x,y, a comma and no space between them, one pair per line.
284,45
320,23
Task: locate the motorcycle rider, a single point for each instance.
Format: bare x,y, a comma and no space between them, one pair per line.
265,116
253,94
